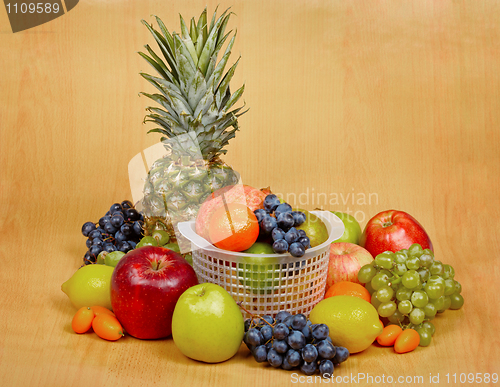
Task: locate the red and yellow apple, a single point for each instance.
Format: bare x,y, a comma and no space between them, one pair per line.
345,261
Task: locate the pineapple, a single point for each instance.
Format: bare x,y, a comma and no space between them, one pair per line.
194,116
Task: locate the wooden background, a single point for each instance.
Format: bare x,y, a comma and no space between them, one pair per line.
396,102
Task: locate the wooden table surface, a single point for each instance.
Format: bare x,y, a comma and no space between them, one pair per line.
358,106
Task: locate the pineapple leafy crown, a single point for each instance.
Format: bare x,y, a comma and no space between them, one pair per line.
194,96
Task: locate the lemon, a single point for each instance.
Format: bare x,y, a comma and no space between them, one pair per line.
353,322
89,286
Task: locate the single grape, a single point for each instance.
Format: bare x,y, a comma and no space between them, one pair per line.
429,326
293,357
379,280
309,368
292,235
288,321
280,330
415,250
438,302
131,214
426,260
87,228
268,224
417,316
267,333
320,331
283,208
254,337
446,304
366,273
116,220
411,279
98,242
137,226
430,310
277,234
299,217
286,365
456,301
436,268
434,291
280,346
374,300
424,275
385,294
280,246
247,324
297,249
95,234
386,309
405,307
368,287
147,241
296,340
116,207
271,201
458,287
299,321
385,260
305,241
400,257
400,269
94,251
449,272
341,355
326,350
267,318
425,337
436,279
419,299
413,263
119,237
274,358
127,229
307,332
309,353
260,353
326,368
110,228
397,317
386,272
162,237
449,287
403,294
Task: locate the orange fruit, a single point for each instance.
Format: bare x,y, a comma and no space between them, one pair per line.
346,288
233,227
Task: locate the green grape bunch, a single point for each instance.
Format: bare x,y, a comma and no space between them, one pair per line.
409,287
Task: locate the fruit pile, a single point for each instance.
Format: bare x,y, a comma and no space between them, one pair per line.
279,220
118,230
409,287
292,341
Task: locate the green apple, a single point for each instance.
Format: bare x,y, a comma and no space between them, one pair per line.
352,229
207,324
257,272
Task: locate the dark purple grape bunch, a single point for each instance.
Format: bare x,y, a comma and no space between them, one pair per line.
279,220
119,229
293,342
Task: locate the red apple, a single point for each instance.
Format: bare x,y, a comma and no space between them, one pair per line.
345,261
392,231
145,286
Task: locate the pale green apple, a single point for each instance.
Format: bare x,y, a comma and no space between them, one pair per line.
257,271
207,324
352,229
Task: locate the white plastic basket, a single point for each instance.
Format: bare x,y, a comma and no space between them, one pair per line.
267,283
